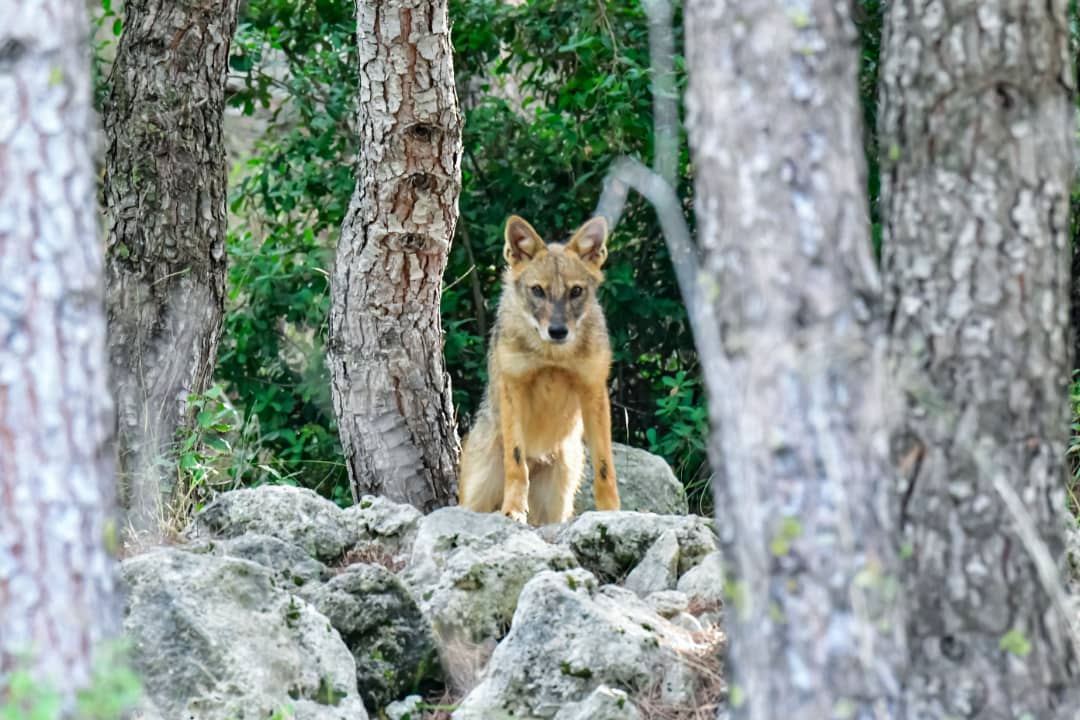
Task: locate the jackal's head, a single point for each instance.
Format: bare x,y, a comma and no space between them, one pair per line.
554,284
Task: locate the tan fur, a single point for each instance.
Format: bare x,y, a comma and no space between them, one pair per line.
543,395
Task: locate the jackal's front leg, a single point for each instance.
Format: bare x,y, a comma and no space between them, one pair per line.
596,411
516,488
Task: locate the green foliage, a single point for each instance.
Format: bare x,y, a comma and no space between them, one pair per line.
201,453
290,200
869,16
27,700
114,689
1073,454
1016,643
682,426
105,29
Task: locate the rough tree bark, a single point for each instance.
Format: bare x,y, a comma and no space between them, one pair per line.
797,395
165,181
391,389
58,597
977,130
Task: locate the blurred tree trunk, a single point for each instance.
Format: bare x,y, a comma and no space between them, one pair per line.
58,596
391,389
165,188
797,393
977,134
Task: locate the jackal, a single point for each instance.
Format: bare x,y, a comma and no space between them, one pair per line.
547,382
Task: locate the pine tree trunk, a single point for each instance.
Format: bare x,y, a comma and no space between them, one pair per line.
58,596
977,130
391,389
797,395
166,195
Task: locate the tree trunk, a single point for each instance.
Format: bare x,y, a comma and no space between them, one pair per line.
977,124
797,395
58,597
391,390
165,184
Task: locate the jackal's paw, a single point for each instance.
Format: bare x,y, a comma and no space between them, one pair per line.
516,515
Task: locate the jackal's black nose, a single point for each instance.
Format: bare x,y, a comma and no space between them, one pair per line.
558,332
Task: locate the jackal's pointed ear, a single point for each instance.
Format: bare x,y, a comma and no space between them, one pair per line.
590,241
522,242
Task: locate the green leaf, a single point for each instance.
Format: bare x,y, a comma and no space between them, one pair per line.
1015,642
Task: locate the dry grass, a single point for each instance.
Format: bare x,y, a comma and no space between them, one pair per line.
440,705
462,658
371,554
699,606
711,691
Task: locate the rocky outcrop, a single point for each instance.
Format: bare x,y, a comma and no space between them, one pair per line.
220,638
603,703
466,572
611,544
293,515
376,520
646,484
290,564
704,587
281,599
571,636
390,640
658,569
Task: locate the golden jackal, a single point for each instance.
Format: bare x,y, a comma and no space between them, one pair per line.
547,378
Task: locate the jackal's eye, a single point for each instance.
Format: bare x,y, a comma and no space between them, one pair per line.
537,291
576,292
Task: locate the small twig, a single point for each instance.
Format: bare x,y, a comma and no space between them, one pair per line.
477,290
459,278
1045,566
162,279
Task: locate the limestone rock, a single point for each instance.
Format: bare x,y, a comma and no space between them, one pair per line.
294,515
570,637
611,544
646,484
406,709
467,570
379,520
292,565
219,638
390,640
668,603
603,703
658,569
704,586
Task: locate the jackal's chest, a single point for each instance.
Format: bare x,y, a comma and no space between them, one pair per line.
552,411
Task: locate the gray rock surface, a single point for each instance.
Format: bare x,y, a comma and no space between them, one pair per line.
611,544
704,586
646,484
408,708
603,703
219,638
295,515
468,568
283,600
390,640
378,520
668,603
291,564
658,569
569,637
